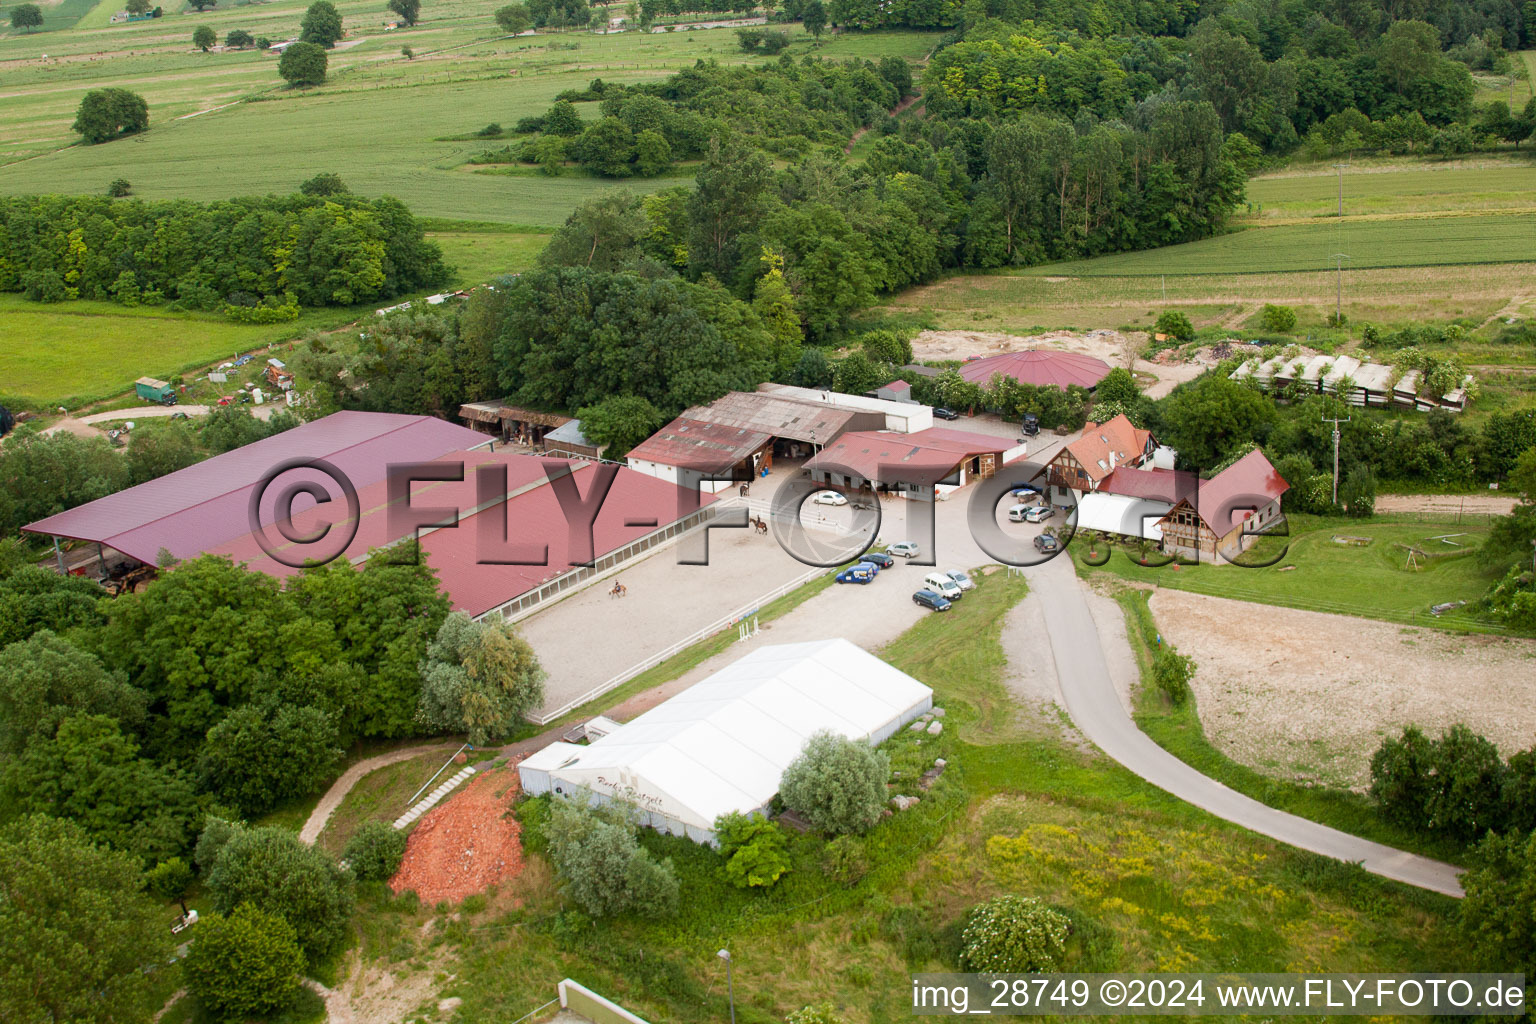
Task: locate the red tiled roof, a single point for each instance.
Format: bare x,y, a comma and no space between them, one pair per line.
198,508
937,449
898,385
636,504
1039,366
1117,437
1232,495
696,444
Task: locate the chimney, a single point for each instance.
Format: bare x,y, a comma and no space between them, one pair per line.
1112,460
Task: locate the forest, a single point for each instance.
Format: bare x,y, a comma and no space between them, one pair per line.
256,259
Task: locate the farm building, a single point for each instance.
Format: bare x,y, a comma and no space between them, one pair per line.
513,424
737,437
511,550
1226,511
1375,385
867,459
1132,502
722,744
1038,367
901,413
196,509
567,441
895,391
1084,464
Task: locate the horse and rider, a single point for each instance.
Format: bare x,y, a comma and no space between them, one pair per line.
619,590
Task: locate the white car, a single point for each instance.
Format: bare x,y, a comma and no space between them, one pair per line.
962,580
828,498
941,584
1030,513
903,548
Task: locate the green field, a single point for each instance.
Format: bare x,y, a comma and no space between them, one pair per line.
382,122
1399,242
1392,188
84,351
1373,582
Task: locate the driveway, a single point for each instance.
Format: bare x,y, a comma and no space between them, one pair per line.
1089,694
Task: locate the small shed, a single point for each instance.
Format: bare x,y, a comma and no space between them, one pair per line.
568,440
154,390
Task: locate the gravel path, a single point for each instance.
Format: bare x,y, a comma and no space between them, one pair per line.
349,778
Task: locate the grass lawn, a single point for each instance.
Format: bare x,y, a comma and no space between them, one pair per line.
478,256
1149,882
1177,729
75,352
1373,581
384,794
1394,188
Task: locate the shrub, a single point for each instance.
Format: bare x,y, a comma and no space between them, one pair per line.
563,119
1280,319
239,39
119,188
490,131
1452,786
1174,324
838,784
845,860
820,1013
1358,491
1496,920
604,867
1171,671
753,848
374,853
325,183
44,286
244,965
1013,935
216,834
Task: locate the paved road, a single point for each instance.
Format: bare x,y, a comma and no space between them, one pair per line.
1091,700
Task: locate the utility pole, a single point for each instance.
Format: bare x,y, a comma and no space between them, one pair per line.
1338,297
1340,169
1336,423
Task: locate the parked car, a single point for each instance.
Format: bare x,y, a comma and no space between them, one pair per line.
828,498
962,579
1038,513
941,584
1030,425
874,570
1047,543
904,548
946,414
1016,513
855,574
928,599
879,558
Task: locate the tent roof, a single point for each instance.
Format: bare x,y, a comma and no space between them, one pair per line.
1122,514
723,744
1038,366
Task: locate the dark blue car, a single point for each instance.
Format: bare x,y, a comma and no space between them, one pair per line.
929,599
879,558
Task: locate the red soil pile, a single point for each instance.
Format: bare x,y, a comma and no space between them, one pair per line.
465,844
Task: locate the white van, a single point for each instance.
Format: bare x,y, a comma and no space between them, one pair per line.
941,584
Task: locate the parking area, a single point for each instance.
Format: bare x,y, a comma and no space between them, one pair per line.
589,637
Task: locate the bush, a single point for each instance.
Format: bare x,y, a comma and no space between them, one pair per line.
1496,920
1013,935
753,848
820,1013
44,286
1174,324
325,183
845,860
374,853
490,131
563,119
244,965
838,784
1358,491
119,188
303,64
604,867
1453,786
1171,671
1280,319
239,39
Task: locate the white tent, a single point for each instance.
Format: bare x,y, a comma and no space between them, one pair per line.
1121,514
723,744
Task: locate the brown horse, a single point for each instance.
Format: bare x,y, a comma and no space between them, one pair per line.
619,590
759,525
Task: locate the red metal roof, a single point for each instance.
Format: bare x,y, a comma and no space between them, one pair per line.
1038,367
699,445
203,506
636,504
1232,495
1161,484
937,449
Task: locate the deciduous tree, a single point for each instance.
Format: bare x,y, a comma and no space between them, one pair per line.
479,678
106,114
838,784
271,869
244,965
203,37
303,64
321,25
409,10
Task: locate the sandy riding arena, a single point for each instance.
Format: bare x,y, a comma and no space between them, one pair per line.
1310,696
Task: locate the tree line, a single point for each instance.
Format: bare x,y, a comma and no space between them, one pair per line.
261,257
